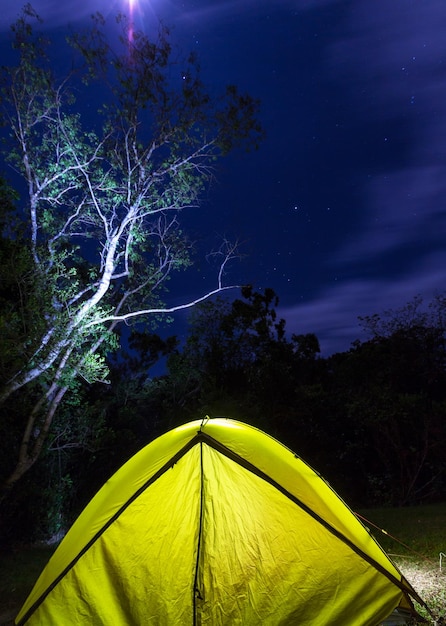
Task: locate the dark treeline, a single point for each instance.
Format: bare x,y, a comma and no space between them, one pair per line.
107,140
371,420
91,230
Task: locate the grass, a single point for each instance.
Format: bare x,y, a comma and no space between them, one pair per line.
421,528
19,569
414,538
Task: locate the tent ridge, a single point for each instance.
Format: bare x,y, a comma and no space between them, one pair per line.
339,535
168,465
234,532
196,590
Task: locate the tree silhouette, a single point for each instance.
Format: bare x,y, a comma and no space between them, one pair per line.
101,228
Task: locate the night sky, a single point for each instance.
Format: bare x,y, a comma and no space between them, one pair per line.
342,209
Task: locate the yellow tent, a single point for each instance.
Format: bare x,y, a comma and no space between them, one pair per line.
216,523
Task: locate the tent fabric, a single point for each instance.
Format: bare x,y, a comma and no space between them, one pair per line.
216,523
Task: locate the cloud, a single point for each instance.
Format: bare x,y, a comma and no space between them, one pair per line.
392,39
56,13
406,208
218,10
333,314
390,58
402,50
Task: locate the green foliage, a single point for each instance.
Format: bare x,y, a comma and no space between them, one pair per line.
237,361
371,420
99,235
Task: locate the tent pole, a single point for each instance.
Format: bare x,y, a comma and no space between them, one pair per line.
196,590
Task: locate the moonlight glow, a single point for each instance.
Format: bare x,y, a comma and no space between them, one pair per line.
132,4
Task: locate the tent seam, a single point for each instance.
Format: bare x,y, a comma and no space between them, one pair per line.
196,591
261,474
168,465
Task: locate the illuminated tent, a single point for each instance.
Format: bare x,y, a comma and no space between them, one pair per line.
216,523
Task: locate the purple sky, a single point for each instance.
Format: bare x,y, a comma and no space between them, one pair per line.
344,206
392,56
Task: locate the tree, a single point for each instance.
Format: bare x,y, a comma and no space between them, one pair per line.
101,229
394,407
237,361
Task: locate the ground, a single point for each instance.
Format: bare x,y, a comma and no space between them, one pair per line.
421,534
430,584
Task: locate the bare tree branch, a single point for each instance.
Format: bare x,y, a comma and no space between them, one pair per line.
105,196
